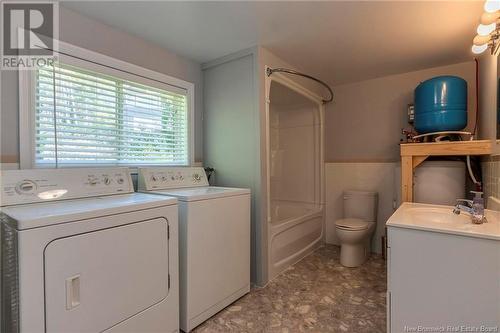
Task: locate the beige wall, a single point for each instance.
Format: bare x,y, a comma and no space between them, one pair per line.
365,120
93,35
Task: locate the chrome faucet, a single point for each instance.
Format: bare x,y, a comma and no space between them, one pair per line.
459,207
468,206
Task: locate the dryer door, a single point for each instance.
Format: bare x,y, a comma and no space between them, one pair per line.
99,279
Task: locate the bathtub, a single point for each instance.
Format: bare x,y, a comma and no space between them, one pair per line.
295,230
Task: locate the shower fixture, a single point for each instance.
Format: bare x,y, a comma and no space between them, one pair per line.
270,71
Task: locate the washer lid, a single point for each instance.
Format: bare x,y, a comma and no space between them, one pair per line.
352,224
37,215
202,193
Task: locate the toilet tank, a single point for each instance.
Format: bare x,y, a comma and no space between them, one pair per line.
361,205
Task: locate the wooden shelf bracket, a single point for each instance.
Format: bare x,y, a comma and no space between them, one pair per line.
413,154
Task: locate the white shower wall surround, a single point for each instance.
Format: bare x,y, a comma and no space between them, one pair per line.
293,135
295,208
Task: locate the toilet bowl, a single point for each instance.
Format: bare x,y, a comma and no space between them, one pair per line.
354,231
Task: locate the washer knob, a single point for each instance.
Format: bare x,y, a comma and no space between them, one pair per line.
120,180
107,181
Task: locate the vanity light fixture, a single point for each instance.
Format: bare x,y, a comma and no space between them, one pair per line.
489,18
491,6
478,49
488,31
481,40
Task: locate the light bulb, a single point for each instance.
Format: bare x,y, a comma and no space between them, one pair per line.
478,49
492,6
485,30
480,40
488,18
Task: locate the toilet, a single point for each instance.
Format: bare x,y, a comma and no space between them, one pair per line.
355,230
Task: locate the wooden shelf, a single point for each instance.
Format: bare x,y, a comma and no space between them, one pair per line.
453,148
413,154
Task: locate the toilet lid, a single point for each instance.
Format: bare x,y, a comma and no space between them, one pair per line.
353,224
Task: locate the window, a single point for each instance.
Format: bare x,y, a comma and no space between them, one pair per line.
81,116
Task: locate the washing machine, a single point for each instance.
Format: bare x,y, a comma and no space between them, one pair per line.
81,252
214,239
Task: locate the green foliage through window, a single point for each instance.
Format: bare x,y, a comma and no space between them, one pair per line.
84,117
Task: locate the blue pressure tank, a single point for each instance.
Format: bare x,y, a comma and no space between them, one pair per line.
441,105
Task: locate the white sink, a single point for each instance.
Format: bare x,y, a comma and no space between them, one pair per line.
437,215
442,219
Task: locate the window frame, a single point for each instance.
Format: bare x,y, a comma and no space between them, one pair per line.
96,62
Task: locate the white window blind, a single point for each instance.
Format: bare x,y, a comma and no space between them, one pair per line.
83,117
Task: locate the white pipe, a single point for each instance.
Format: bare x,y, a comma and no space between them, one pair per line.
471,174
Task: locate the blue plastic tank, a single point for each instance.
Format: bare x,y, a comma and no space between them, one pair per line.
441,105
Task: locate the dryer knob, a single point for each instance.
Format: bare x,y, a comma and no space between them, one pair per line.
26,187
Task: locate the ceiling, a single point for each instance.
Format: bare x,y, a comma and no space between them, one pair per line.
337,41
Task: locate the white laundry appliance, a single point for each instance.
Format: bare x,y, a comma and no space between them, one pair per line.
81,252
214,239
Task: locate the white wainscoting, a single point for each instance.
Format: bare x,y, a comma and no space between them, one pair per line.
377,177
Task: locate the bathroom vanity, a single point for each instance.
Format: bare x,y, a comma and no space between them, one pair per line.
443,271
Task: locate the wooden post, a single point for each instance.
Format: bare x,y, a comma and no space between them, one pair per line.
406,178
417,160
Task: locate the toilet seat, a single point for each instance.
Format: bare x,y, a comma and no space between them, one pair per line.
352,224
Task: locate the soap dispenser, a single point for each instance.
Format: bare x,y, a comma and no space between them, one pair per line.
478,208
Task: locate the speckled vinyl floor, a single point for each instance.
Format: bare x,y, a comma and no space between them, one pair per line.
315,295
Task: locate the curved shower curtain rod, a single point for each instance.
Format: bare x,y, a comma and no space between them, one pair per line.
270,71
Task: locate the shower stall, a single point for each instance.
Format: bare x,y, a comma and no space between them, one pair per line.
263,130
295,198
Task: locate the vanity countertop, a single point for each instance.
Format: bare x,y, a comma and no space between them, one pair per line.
439,218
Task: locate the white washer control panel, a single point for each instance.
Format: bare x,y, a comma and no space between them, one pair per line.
40,185
162,178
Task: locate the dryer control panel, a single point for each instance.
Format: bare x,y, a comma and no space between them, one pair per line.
162,178
40,185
